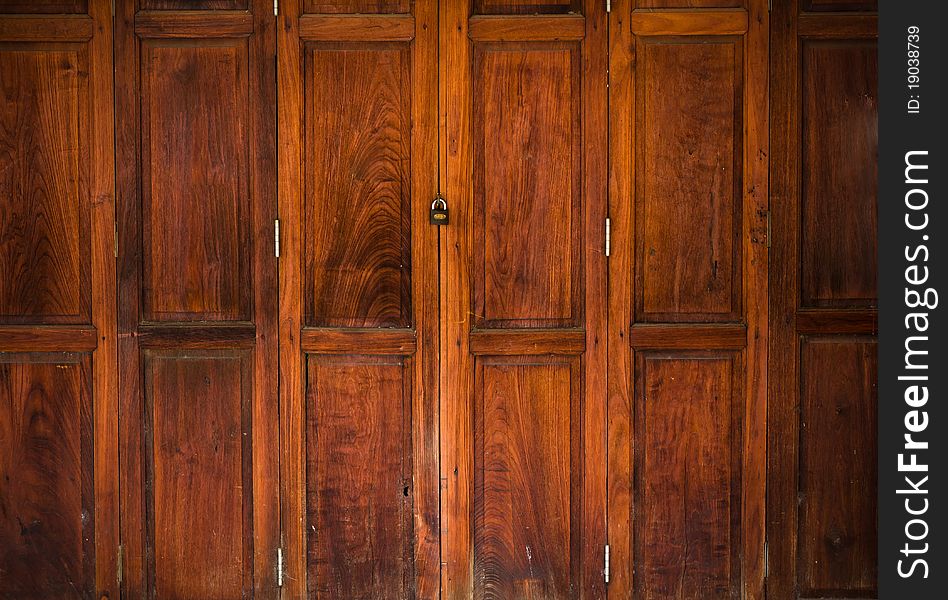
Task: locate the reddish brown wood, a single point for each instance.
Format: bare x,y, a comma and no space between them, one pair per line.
355,6
54,338
676,22
359,413
160,24
18,28
704,4
43,6
356,28
840,5
493,28
528,341
193,4
838,459
47,512
526,7
652,336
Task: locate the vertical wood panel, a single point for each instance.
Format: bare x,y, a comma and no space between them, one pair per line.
688,484
526,497
358,491
838,457
46,476
44,181
527,198
357,182
199,473
689,180
839,172
195,180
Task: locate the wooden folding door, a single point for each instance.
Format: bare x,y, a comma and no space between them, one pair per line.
358,297
688,298
822,414
523,284
58,482
196,176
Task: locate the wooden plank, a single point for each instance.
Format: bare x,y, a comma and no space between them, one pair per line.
838,26
356,28
495,28
533,341
839,321
688,336
621,260
58,28
187,336
325,340
47,338
193,24
689,22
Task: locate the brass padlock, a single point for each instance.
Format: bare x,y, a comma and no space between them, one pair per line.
439,212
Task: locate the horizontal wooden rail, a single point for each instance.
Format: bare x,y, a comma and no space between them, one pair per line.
193,24
686,336
357,28
190,336
48,338
838,26
512,342
329,340
57,28
838,321
689,22
527,28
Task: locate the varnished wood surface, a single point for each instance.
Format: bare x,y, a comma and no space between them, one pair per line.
357,28
18,28
493,28
676,22
190,24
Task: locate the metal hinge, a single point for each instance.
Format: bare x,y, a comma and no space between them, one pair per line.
113,8
276,237
605,571
115,238
608,236
119,567
770,5
766,559
608,5
279,567
276,7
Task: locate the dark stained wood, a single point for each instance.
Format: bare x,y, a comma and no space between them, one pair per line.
676,22
653,336
704,4
48,338
44,179
198,470
47,513
689,184
357,186
193,4
156,24
527,29
838,193
527,199
46,29
688,486
357,28
840,5
524,168
359,519
355,6
833,367
527,506
526,7
194,223
358,167
838,467
43,6
196,181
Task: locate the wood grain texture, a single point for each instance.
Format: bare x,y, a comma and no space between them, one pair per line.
195,181
356,6
48,338
527,197
47,524
157,24
193,4
840,5
43,6
527,478
838,467
839,172
688,490
493,28
199,473
679,22
688,3
46,28
526,7
357,28
359,519
689,161
44,181
357,215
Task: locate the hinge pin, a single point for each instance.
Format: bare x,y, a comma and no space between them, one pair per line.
605,571
276,238
608,236
279,567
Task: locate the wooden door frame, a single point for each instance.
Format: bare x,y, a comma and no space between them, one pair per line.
621,280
